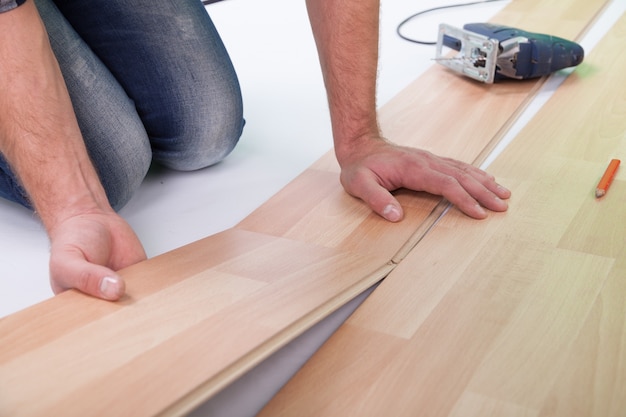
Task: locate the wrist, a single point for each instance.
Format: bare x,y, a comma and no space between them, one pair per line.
349,147
54,214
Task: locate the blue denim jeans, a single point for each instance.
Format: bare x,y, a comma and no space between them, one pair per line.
150,80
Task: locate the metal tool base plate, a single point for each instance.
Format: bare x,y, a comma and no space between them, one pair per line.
476,57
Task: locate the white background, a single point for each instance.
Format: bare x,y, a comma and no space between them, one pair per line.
287,129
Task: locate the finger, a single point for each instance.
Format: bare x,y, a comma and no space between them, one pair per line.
489,182
484,189
483,177
378,198
470,196
464,185
71,270
449,187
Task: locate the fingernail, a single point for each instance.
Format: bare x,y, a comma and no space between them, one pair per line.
110,287
392,213
480,210
503,190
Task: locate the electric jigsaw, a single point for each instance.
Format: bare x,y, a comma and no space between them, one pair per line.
488,52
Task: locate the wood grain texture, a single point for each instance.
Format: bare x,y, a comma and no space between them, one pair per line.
442,112
520,315
198,317
193,320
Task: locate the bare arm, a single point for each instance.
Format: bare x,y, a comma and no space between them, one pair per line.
40,134
346,33
40,138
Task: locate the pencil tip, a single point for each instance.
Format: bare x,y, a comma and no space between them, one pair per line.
600,193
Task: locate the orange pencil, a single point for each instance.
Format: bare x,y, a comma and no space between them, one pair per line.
607,178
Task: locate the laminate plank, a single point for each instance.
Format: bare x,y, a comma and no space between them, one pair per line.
43,322
601,342
199,317
314,208
521,314
442,112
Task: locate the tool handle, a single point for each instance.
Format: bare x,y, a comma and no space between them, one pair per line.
539,54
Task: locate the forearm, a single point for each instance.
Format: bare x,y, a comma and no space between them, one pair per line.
346,34
39,134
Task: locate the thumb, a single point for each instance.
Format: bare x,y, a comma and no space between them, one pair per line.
379,199
73,272
392,211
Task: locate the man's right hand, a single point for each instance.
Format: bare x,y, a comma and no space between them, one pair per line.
87,249
42,142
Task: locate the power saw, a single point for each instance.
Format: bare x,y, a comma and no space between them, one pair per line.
489,52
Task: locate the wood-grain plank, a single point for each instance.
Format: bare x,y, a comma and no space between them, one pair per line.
602,342
242,294
522,314
421,115
314,208
199,316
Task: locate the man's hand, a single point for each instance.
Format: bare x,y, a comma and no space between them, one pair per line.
378,167
87,249
346,34
41,140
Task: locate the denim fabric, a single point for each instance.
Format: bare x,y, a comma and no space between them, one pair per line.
6,5
150,80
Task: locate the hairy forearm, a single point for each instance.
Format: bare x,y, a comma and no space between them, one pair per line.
346,34
39,134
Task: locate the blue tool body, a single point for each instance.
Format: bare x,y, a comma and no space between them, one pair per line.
523,54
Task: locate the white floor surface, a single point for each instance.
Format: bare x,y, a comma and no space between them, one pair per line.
287,129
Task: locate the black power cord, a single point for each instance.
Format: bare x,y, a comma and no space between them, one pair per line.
413,16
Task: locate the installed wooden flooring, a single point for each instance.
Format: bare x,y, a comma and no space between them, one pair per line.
198,317
520,315
440,112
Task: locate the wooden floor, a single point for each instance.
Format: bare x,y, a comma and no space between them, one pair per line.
523,314
472,317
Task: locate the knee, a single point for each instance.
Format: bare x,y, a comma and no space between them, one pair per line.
122,169
204,139
122,185
217,142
